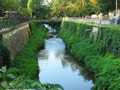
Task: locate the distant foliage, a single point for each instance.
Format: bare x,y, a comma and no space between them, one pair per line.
72,8
108,6
101,56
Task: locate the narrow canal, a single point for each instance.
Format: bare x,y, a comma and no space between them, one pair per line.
58,67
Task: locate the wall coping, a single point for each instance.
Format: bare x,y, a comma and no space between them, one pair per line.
13,28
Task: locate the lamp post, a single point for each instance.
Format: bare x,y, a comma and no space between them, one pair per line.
116,13
116,8
83,3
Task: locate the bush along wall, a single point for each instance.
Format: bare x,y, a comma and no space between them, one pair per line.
4,55
100,54
26,59
23,74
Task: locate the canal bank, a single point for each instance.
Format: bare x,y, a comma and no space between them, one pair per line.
25,66
28,54
100,53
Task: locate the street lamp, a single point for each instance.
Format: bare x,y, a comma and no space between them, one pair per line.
116,8
116,18
83,3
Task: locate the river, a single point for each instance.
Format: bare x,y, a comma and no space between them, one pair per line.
58,67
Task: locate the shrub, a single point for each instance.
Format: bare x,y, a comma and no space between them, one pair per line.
26,59
101,56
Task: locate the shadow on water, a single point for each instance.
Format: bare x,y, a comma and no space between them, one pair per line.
83,71
58,67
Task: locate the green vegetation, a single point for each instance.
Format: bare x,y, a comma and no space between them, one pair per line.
9,81
6,76
81,7
23,74
33,8
26,59
116,27
4,55
67,8
32,5
57,8
108,6
100,54
8,5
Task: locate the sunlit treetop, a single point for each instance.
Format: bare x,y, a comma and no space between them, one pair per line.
93,1
71,5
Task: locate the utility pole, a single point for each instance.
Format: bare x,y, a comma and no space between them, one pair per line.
116,12
116,8
83,3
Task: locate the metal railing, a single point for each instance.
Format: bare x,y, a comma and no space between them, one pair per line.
10,21
85,20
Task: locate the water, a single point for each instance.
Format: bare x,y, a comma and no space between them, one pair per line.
57,67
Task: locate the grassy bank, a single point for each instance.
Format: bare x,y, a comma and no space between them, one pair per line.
23,74
100,54
26,59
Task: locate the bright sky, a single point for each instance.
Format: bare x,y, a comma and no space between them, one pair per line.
47,1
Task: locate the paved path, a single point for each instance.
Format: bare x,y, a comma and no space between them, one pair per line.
89,21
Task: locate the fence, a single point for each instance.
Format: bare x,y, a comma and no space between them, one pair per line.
86,20
11,20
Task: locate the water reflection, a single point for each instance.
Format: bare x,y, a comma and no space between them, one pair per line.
59,68
77,66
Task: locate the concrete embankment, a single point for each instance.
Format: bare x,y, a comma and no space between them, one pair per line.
15,38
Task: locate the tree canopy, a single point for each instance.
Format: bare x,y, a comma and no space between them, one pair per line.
8,5
105,5
58,8
72,7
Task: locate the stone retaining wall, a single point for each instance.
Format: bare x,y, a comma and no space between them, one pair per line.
15,38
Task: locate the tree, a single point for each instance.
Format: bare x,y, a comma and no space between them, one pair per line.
42,12
89,9
33,5
93,2
11,4
65,8
106,6
24,3
6,5
57,7
73,7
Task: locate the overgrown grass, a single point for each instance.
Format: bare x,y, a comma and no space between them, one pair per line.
115,27
101,56
26,59
26,66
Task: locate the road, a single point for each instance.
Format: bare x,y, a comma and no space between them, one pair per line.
94,21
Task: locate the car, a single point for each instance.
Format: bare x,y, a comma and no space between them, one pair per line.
115,20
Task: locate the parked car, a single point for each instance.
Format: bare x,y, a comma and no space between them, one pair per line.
115,20
118,21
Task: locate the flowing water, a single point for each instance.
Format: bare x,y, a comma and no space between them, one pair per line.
57,67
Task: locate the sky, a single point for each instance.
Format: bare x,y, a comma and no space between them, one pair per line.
46,1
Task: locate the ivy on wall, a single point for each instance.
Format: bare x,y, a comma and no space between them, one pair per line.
101,56
4,55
